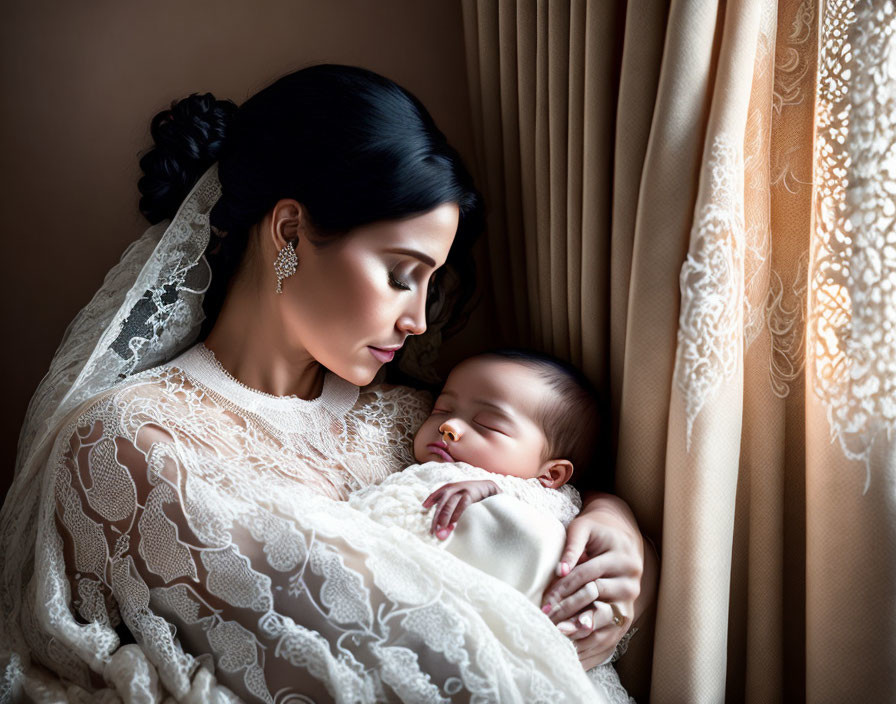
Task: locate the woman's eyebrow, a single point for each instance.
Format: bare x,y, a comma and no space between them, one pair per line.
425,258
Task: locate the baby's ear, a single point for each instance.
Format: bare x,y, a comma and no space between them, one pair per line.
555,473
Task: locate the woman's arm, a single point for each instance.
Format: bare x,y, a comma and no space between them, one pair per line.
608,571
290,593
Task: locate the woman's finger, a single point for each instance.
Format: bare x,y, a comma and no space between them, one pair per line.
606,566
576,538
570,584
602,616
575,580
580,625
596,616
575,602
597,647
619,589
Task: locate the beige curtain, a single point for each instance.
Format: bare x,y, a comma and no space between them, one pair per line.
695,202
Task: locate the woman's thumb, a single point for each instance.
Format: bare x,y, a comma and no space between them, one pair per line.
576,539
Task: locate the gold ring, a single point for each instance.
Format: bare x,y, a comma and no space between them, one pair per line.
618,616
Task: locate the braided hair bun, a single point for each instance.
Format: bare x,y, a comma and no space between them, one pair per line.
188,138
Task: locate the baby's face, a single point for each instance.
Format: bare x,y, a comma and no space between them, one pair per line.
487,413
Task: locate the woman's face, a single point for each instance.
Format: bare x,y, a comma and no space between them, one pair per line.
353,301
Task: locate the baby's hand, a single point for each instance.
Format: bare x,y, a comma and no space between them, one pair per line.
452,500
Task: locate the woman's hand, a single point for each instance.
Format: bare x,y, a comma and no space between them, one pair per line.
606,577
452,499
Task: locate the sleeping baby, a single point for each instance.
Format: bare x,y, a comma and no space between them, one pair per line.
505,436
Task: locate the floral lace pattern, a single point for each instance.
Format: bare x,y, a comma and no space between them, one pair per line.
784,308
197,516
852,291
785,314
710,324
730,258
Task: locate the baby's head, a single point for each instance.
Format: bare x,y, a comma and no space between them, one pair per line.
513,412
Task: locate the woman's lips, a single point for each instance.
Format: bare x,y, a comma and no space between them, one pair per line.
383,356
440,451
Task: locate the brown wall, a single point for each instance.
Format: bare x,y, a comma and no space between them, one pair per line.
80,83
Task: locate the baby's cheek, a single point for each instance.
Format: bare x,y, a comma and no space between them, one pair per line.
510,461
416,448
489,459
420,444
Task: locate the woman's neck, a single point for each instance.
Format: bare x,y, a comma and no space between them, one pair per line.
248,340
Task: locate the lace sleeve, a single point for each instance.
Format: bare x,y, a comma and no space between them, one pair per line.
120,547
235,581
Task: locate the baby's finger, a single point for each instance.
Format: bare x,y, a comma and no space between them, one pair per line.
431,499
443,517
462,505
437,511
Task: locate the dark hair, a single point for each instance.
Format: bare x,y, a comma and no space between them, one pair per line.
350,145
571,420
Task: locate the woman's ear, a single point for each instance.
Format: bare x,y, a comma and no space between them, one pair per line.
288,222
555,473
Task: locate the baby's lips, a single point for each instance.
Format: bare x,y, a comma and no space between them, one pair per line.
441,451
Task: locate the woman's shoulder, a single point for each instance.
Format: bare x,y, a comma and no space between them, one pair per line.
160,389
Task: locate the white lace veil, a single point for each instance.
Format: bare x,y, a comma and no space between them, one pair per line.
148,309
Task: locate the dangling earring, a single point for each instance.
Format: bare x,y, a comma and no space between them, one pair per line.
286,263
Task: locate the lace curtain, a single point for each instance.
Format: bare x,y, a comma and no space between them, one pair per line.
695,202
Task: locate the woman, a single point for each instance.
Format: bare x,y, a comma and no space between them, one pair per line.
175,528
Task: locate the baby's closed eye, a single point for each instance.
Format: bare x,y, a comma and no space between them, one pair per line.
488,428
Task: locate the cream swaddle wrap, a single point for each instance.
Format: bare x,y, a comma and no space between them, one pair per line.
517,535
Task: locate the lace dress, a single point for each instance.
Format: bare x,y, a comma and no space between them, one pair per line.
189,546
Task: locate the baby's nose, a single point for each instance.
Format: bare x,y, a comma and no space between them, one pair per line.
449,432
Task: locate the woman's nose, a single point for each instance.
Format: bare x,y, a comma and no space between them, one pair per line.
413,319
450,432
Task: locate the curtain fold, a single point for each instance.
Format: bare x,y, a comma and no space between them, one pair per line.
695,203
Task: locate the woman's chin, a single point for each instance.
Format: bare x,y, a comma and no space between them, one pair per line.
358,375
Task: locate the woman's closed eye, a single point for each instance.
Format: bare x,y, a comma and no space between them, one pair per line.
398,283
